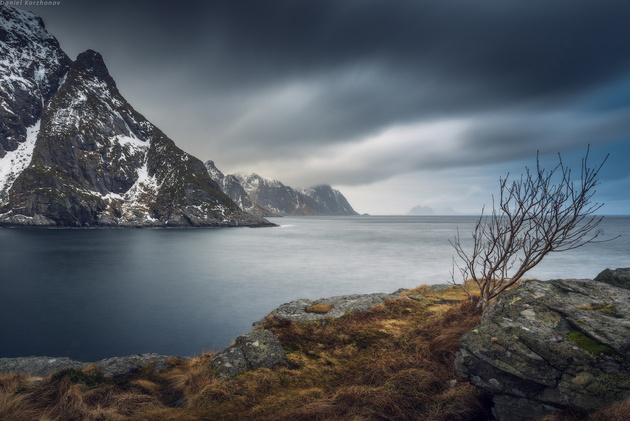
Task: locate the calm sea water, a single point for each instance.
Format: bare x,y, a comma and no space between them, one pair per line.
91,294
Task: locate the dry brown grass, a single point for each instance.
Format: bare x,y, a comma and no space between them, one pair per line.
319,308
619,411
66,398
394,362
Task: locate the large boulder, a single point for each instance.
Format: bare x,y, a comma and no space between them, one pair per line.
619,277
547,346
259,348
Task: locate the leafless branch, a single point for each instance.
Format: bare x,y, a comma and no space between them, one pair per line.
541,212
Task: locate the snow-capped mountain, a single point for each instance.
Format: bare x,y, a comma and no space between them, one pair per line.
74,152
267,197
232,187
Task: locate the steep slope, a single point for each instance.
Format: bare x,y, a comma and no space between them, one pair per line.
275,196
31,68
232,187
86,157
284,200
328,200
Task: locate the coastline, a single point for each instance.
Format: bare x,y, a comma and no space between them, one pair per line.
297,310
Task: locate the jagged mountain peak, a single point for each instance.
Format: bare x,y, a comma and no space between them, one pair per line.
16,22
74,152
269,197
93,62
253,180
214,172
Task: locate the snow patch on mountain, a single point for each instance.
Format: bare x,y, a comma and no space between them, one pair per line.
31,64
271,196
14,162
131,142
97,161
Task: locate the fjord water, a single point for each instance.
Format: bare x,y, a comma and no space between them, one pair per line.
91,294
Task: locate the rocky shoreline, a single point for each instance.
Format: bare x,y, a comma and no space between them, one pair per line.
540,348
258,348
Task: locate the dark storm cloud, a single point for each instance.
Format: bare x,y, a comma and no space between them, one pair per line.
254,80
510,49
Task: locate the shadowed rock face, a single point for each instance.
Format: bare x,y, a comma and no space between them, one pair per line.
546,346
31,68
74,152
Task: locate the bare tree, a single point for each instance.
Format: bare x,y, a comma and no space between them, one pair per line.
539,213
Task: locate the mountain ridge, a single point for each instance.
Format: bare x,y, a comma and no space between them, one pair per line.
74,152
421,210
269,197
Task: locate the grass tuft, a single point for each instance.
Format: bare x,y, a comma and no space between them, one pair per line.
319,308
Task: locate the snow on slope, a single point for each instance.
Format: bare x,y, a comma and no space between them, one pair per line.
14,162
31,66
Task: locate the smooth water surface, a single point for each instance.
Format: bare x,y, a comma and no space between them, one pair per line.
91,294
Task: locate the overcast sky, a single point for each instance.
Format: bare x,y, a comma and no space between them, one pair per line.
396,103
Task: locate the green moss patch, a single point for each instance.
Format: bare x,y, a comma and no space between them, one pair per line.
589,344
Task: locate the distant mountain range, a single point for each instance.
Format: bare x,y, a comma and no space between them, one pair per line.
426,210
266,197
74,152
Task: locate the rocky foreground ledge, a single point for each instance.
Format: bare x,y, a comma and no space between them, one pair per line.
540,348
547,346
258,348
110,367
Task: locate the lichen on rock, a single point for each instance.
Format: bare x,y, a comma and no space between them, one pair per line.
259,348
305,310
546,346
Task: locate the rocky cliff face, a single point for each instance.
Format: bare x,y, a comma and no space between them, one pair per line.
31,69
268,197
547,346
328,201
284,200
74,152
232,187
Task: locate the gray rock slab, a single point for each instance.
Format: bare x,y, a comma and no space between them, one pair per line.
38,366
111,367
341,305
259,348
619,277
119,366
551,345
